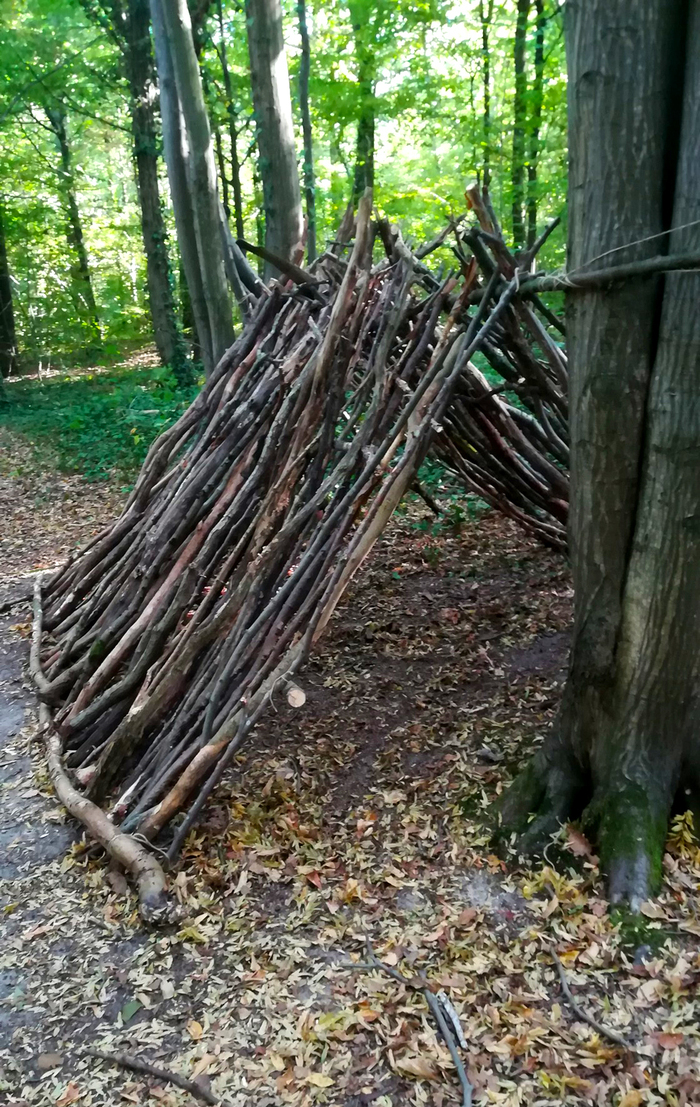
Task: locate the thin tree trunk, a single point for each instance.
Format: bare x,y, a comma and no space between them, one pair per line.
218,146
626,738
81,282
309,182
366,120
485,18
8,337
535,123
274,128
139,63
232,129
519,123
201,174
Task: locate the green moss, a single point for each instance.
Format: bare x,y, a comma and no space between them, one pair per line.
98,649
636,930
627,827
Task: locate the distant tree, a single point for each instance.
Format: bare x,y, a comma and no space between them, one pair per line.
233,127
486,19
626,744
519,122
535,122
128,24
8,337
81,280
172,26
274,127
304,107
366,23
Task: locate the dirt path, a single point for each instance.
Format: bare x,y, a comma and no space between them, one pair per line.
361,813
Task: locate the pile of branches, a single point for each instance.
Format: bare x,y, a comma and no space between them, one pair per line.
157,647
509,441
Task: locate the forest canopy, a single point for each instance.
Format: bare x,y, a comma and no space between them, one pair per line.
457,90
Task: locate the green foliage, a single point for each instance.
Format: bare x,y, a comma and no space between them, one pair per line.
99,424
422,61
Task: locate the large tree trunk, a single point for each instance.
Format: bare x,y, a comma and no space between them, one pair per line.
81,281
274,128
8,338
485,17
626,740
366,120
309,182
519,123
537,97
176,153
139,63
201,174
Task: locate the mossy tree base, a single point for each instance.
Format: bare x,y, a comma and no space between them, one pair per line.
626,821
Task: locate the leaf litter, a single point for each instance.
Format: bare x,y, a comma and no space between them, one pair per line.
363,814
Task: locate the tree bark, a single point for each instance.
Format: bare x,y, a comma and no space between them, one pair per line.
519,123
176,153
232,129
366,120
81,281
201,175
485,18
309,182
138,58
274,129
534,126
626,742
8,337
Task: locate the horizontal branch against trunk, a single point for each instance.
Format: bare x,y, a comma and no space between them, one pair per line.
597,278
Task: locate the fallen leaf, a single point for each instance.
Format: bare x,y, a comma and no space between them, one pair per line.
419,1067
71,1094
195,1030
47,1061
670,1041
652,910
578,844
129,1009
320,1080
632,1098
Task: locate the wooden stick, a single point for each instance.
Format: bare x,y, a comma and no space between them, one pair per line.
597,278
136,1064
612,1035
436,1011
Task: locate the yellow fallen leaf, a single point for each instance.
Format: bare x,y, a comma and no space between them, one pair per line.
419,1067
195,1030
633,1098
320,1080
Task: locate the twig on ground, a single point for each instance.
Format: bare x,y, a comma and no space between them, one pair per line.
612,1035
443,1016
135,1064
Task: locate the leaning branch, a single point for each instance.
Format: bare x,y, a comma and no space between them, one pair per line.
612,1035
154,905
135,1064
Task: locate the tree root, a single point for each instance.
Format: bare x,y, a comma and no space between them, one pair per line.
627,822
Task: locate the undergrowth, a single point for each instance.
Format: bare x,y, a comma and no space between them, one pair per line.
99,424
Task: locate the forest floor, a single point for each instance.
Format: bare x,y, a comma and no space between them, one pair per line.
364,813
